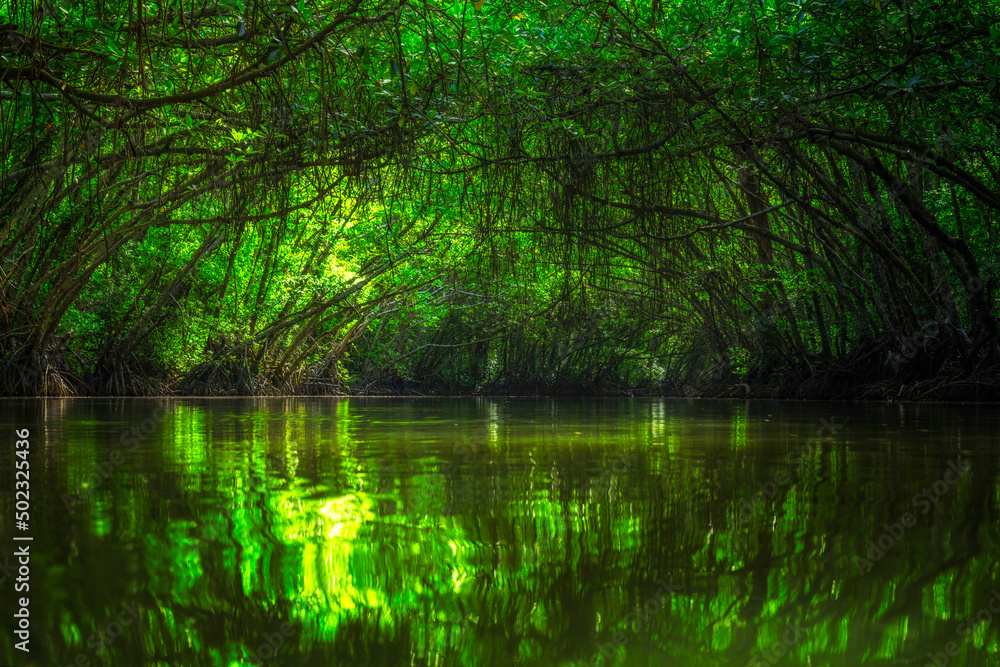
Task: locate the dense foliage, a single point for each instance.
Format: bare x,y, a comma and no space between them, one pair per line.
260,197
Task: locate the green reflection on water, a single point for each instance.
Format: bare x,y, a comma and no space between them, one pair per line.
498,532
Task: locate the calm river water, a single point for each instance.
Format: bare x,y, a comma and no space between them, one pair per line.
502,532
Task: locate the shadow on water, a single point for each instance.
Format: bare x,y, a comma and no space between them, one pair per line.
498,532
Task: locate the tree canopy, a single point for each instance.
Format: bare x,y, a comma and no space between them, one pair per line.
306,197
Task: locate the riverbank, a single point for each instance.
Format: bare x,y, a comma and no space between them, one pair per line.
830,380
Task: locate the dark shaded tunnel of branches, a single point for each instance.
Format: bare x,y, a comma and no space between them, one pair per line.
258,198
